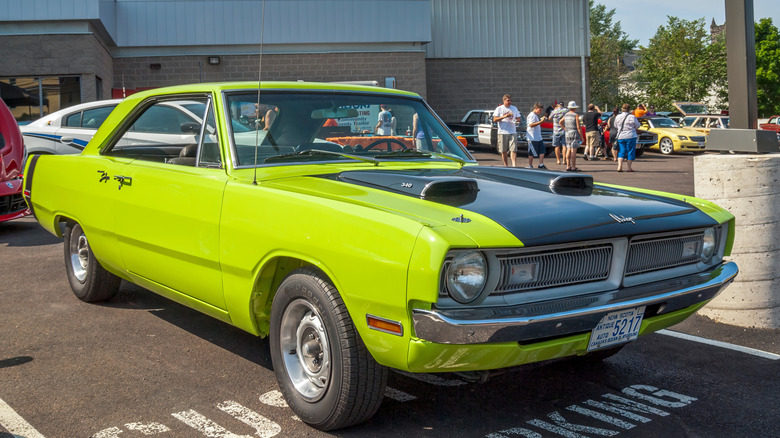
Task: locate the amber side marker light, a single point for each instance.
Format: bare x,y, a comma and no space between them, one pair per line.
385,325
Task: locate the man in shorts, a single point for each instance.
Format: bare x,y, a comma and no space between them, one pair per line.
559,135
505,116
534,136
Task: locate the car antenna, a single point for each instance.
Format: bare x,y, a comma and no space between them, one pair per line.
259,84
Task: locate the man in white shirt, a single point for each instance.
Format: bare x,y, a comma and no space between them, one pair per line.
384,125
534,136
505,116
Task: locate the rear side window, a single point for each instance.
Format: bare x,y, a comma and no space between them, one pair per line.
90,119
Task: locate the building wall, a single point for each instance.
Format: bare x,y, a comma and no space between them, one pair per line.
408,68
59,55
456,86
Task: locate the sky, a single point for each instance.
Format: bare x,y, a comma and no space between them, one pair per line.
640,20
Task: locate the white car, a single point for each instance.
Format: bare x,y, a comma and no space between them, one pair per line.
68,131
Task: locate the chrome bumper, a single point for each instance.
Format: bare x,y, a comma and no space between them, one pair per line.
566,316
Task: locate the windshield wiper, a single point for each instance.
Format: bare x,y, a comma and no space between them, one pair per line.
309,153
414,153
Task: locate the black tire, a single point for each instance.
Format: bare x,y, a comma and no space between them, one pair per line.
640,152
324,371
89,281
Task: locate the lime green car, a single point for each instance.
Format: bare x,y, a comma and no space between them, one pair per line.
350,227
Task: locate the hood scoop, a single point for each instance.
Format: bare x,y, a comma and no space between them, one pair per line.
444,189
555,182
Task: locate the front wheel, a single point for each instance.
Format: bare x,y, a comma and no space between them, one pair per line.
89,281
666,146
324,370
639,152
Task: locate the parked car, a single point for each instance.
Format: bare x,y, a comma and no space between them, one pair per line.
671,136
12,205
773,124
478,127
68,131
695,117
356,253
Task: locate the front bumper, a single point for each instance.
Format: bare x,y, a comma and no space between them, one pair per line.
687,146
548,319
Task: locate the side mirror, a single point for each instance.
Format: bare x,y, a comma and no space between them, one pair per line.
190,127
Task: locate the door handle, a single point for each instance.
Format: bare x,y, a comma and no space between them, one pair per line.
123,180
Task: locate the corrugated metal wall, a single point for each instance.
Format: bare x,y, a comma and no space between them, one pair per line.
29,10
509,28
227,22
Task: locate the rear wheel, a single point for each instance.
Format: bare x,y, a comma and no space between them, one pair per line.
89,281
666,146
324,370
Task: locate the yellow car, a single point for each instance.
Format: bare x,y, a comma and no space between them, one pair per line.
672,137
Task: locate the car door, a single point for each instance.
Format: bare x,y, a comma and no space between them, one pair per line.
168,212
485,128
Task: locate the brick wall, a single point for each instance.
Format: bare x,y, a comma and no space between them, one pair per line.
407,68
58,55
458,85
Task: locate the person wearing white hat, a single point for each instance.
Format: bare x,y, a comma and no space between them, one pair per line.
571,125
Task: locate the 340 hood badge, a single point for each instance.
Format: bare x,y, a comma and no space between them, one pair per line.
622,219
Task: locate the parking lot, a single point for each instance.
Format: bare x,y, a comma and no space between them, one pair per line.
142,365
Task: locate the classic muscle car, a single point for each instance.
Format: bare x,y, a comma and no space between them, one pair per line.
12,205
284,216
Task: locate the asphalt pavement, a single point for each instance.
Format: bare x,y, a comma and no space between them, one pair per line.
141,365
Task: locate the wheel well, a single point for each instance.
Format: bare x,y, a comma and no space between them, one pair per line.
266,284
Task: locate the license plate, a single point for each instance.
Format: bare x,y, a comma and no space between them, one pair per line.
701,144
617,328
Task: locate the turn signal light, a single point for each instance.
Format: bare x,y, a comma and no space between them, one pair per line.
385,325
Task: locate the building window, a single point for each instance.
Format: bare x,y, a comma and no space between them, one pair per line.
31,98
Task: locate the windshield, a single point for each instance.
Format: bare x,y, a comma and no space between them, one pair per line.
663,123
355,127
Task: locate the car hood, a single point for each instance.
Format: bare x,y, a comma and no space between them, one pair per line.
538,207
675,131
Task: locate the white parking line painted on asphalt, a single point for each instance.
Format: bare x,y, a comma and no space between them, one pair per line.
748,350
15,424
205,426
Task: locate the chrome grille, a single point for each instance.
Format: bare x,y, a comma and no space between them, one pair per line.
554,268
651,255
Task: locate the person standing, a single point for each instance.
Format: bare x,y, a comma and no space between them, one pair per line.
612,144
571,124
559,136
627,124
639,111
592,134
505,116
534,136
384,125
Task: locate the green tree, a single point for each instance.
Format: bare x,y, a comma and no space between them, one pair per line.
677,64
608,44
767,67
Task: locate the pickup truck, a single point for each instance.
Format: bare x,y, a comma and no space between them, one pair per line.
773,124
477,127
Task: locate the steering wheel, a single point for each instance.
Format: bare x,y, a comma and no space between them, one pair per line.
388,142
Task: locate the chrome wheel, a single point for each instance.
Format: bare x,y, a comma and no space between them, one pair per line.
666,146
305,349
79,253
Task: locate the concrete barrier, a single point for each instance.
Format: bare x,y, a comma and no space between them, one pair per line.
748,186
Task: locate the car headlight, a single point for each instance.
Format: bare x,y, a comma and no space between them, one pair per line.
708,245
682,137
466,276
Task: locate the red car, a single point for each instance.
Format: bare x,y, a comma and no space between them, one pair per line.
12,205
